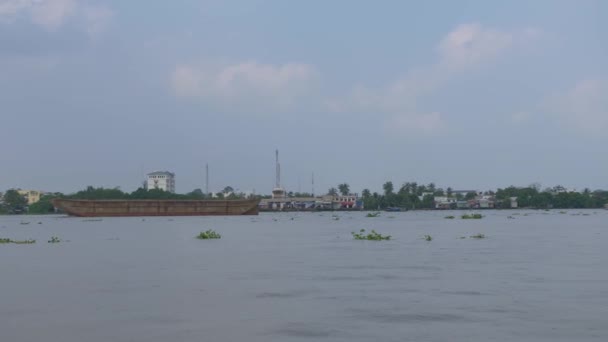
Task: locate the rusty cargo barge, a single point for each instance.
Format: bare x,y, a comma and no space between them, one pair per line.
108,208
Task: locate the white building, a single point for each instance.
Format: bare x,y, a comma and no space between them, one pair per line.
163,180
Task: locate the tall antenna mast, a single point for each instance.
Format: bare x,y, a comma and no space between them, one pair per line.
313,184
278,176
207,179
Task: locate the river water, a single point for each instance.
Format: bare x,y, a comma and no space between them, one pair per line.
537,276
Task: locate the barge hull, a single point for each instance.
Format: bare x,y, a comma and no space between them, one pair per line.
119,208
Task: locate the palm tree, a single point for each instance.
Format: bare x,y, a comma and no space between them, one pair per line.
332,192
388,188
344,189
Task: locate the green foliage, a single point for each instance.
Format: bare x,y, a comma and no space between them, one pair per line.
374,214
54,239
14,203
471,216
344,189
332,192
478,236
388,188
17,242
366,193
208,234
43,206
451,217
428,238
372,236
556,197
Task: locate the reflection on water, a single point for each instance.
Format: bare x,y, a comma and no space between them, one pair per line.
538,276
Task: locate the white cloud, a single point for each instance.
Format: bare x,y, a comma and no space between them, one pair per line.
462,49
52,14
470,44
583,108
49,14
247,86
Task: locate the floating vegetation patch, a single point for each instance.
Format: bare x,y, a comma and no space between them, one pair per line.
24,222
54,239
478,236
471,216
374,214
450,217
208,234
17,242
428,238
563,212
373,235
462,237
511,217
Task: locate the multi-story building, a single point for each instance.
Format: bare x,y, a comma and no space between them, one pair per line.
163,180
32,196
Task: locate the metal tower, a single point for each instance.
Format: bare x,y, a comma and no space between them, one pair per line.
206,179
278,175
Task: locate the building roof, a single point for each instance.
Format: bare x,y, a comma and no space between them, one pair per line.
161,173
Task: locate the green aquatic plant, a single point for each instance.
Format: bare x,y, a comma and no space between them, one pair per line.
54,239
478,236
428,238
24,242
208,234
471,216
450,217
17,242
374,214
373,236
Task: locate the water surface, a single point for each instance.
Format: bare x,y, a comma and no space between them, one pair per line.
538,276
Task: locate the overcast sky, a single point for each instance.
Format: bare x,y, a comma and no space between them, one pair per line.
468,94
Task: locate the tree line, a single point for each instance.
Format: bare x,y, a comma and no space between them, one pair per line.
15,203
412,195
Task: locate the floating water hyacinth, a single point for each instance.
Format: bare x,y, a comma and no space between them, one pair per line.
208,234
373,236
374,214
471,216
428,238
478,236
17,242
54,239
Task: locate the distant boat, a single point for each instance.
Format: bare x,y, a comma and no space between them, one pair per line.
105,208
393,209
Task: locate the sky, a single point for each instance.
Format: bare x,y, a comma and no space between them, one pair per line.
466,94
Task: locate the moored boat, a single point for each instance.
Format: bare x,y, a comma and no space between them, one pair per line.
107,208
